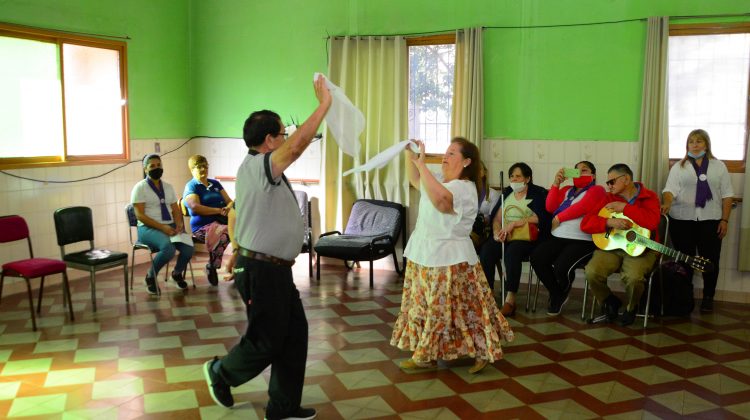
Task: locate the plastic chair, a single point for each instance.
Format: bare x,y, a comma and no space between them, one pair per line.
305,208
76,224
371,233
133,222
14,228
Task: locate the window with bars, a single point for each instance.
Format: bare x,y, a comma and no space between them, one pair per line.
431,70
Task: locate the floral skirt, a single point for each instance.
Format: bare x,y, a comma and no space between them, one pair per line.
449,312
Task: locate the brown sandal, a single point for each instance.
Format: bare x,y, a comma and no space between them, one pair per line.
508,309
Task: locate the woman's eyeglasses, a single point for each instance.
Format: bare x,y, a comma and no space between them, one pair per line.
612,181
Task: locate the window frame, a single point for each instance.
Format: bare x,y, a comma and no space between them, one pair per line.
733,166
438,39
59,38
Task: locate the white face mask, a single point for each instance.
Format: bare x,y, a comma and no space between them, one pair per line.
517,186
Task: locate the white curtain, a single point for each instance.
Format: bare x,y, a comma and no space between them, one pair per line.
373,72
467,115
653,135
743,262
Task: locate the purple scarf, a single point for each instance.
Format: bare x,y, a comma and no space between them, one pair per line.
702,190
570,196
160,194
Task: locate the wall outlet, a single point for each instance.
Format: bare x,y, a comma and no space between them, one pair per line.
157,147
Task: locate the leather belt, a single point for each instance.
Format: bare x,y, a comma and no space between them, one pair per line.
259,256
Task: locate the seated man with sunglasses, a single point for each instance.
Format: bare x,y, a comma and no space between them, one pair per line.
641,205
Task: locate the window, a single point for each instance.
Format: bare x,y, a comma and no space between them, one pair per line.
64,98
431,69
709,70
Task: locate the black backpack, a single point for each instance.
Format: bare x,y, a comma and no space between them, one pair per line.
677,285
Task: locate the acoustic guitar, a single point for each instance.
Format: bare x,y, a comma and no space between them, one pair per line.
636,239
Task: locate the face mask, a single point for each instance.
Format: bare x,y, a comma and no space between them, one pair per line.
155,173
517,186
582,181
696,155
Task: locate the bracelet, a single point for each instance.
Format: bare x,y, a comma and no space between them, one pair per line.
724,220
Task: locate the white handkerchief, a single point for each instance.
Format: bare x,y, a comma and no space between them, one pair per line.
382,158
183,237
345,121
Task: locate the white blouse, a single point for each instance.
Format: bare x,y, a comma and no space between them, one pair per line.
682,184
441,239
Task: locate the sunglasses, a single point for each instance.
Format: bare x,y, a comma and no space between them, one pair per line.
612,181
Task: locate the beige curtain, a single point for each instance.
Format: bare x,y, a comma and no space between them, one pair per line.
373,72
653,135
467,115
743,262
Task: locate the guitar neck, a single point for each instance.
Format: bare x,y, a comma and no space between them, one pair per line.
673,253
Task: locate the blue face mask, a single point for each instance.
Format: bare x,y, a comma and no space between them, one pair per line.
697,155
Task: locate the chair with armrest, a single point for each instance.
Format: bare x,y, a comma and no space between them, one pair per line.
305,208
14,228
76,224
371,233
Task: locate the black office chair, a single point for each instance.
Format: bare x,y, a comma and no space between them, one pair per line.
76,224
305,208
133,223
371,234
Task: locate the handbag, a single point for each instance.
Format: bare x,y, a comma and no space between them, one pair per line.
528,232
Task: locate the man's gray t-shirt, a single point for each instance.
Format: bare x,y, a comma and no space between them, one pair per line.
268,217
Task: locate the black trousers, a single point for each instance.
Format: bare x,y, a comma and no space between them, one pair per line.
552,259
693,237
276,334
515,253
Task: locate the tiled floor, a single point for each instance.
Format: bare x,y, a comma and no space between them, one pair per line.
145,359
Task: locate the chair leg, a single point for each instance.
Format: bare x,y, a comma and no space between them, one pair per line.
125,269
585,296
370,273
31,304
309,261
529,291
317,267
66,292
92,280
2,280
536,294
192,275
395,262
39,298
132,271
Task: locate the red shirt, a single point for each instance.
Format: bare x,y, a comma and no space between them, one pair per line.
645,212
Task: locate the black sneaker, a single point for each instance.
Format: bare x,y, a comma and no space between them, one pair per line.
612,308
300,414
151,286
556,305
627,318
707,305
218,389
213,277
181,283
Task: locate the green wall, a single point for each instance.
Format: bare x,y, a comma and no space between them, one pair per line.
199,67
578,82
159,86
